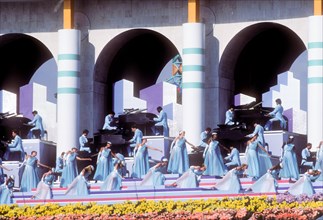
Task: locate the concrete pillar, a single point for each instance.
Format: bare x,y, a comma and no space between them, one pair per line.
68,89
315,80
193,80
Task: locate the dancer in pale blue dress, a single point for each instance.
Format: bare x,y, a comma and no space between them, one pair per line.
123,170
104,163
289,161
178,160
80,185
155,176
30,177
70,169
114,180
2,175
213,158
230,183
319,160
191,178
141,159
304,184
6,191
259,131
44,187
233,159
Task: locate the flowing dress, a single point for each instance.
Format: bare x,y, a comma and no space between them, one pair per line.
112,182
178,161
230,183
289,163
141,162
154,177
104,165
302,186
70,170
2,177
319,162
6,193
44,187
266,183
190,179
29,178
213,160
253,169
79,186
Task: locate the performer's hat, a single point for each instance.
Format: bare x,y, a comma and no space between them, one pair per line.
109,143
213,133
92,167
12,177
164,159
291,137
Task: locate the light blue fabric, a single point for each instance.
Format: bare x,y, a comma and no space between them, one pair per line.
162,121
112,182
38,122
302,186
259,130
234,158
305,155
29,178
264,161
213,160
230,183
265,184
190,179
136,139
253,169
178,161
319,162
204,137
154,177
83,140
59,164
289,163
104,165
70,170
2,177
6,193
14,146
229,117
44,187
79,186
141,162
277,115
107,123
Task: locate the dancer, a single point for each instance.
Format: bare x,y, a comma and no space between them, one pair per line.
155,176
230,183
319,160
178,161
123,170
59,165
213,158
141,159
233,159
2,175
44,187
30,177
289,161
80,185
204,140
304,184
306,154
277,115
6,191
114,180
70,170
104,162
191,178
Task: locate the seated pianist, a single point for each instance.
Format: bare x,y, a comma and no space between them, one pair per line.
109,123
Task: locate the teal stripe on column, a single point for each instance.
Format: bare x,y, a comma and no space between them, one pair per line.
68,57
315,80
193,68
68,91
68,74
315,63
192,85
312,45
193,51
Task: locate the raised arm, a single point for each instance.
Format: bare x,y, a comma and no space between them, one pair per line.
154,148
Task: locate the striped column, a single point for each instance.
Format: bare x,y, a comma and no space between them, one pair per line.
315,80
68,91
193,80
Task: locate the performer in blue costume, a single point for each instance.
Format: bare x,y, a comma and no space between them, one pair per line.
44,187
15,146
233,159
84,142
38,125
30,177
204,140
141,159
135,140
213,158
155,176
80,185
104,163
123,170
259,131
59,165
319,160
304,184
6,191
191,178
229,116
2,175
108,122
178,161
161,121
289,161
277,115
70,169
114,180
306,154
230,183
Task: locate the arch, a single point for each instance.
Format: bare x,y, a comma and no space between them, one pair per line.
138,55
255,56
21,55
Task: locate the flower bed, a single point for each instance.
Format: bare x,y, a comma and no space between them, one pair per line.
279,207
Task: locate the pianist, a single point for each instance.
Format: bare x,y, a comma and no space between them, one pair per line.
109,121
277,115
161,122
135,140
229,116
15,146
38,123
84,142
